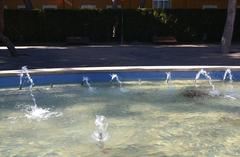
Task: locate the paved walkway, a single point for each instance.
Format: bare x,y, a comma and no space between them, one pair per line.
116,55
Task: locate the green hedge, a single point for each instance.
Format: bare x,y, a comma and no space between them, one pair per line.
97,25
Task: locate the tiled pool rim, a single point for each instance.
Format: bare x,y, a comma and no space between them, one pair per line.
120,69
10,78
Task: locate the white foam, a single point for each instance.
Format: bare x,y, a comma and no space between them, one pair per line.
37,113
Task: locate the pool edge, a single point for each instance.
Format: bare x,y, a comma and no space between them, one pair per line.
119,69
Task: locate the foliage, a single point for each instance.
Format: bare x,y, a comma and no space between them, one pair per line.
97,25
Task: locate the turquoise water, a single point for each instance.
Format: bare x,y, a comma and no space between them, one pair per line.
146,119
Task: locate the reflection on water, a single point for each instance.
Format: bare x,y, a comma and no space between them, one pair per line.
148,120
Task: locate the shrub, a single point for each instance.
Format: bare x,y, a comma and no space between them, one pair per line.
97,25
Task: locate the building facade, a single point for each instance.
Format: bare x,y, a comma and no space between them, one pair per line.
127,4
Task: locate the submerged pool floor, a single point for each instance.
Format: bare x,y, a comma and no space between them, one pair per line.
146,119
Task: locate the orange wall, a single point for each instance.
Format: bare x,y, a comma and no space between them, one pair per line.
104,3
176,4
99,4
12,4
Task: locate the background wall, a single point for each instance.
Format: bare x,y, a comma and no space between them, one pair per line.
12,4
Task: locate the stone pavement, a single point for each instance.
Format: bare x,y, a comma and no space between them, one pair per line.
117,55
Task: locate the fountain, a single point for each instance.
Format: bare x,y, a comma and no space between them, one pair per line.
149,120
169,83
100,134
34,112
139,82
85,81
119,83
115,77
228,75
169,77
204,73
25,74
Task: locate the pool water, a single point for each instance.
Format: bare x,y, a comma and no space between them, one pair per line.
145,119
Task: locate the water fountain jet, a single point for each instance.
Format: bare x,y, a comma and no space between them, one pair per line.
34,112
228,75
168,77
85,81
116,78
100,134
204,73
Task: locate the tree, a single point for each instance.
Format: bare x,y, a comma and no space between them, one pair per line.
28,4
229,26
114,4
142,3
3,38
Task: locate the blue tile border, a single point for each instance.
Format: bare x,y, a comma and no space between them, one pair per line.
46,79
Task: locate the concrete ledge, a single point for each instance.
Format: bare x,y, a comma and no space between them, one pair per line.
119,69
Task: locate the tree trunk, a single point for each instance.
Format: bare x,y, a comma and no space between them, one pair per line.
28,4
229,26
3,38
114,4
142,3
